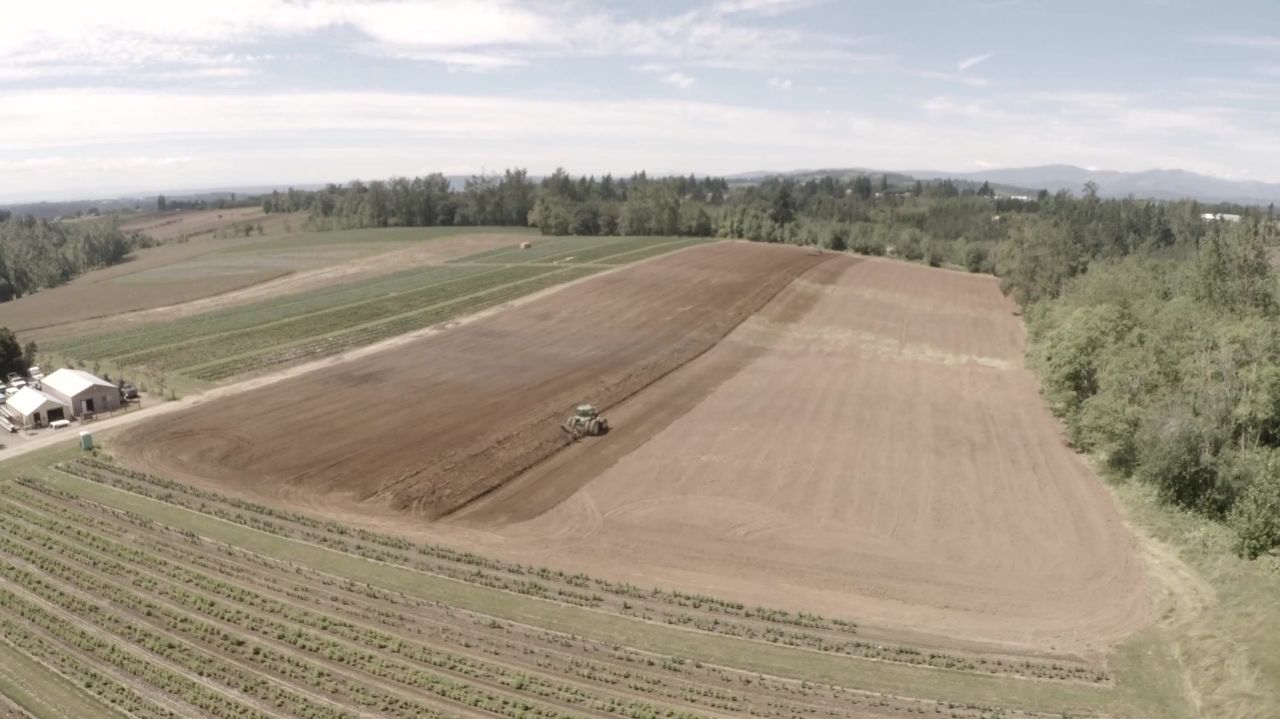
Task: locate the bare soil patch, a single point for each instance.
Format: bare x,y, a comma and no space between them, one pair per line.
166,226
868,446
449,418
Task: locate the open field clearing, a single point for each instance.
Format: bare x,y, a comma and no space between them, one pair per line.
869,443
498,388
207,271
359,305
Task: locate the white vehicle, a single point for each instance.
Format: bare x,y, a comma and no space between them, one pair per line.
35,373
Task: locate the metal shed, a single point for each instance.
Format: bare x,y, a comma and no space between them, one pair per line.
81,391
29,407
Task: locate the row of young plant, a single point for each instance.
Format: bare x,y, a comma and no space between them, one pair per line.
371,333
604,251
207,348
671,607
644,254
489,638
28,640
542,249
218,632
124,341
244,612
582,660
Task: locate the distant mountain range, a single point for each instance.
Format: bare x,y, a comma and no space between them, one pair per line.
1152,184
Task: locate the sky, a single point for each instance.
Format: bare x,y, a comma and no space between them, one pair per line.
134,96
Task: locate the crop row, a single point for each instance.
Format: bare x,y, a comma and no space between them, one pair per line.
330,620
671,607
541,249
118,343
646,253
90,642
24,637
361,648
223,639
608,249
661,679
206,349
400,324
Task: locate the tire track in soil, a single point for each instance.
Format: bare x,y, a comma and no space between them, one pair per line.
447,419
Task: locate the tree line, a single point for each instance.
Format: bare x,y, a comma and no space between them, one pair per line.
37,254
1165,363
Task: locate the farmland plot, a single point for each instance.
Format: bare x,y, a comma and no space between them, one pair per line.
869,442
223,343
163,600
490,400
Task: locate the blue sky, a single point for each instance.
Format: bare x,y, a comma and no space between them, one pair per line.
99,98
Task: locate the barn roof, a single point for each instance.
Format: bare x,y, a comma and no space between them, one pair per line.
29,400
71,382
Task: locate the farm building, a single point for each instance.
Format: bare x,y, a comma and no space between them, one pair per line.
29,407
81,391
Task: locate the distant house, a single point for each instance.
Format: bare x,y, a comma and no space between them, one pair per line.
81,391
1219,217
29,407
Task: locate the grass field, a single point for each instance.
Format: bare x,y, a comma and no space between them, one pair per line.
194,351
186,268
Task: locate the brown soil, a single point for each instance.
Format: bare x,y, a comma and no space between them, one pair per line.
447,419
870,446
165,226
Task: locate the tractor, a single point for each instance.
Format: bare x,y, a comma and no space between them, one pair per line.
585,422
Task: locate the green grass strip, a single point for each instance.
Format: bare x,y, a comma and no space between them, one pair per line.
44,693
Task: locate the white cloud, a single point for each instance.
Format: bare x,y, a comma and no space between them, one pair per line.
768,8
229,138
957,78
969,62
780,83
66,36
1255,42
679,79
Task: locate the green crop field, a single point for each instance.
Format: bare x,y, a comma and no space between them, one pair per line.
156,598
219,345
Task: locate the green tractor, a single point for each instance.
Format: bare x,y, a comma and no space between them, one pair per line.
585,422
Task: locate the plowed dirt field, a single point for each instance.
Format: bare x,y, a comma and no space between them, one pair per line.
445,420
869,446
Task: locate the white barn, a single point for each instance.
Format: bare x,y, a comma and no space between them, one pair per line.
29,407
81,391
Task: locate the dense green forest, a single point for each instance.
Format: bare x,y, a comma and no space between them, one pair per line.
36,254
1166,364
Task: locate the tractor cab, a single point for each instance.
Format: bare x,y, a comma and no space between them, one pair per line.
585,422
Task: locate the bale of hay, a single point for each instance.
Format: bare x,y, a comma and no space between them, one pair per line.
526,245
